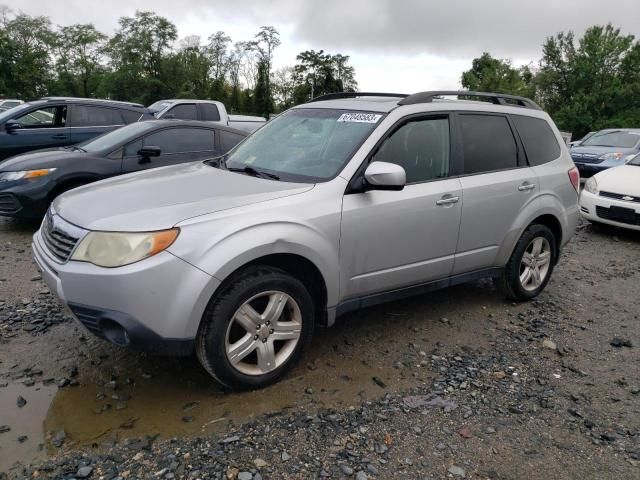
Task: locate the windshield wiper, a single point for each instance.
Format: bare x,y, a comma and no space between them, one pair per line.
256,173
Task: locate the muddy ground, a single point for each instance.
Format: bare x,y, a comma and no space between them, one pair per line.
454,384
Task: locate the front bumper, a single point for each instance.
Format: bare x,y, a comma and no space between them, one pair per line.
24,199
154,305
598,209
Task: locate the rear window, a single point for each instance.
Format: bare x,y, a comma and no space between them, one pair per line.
186,111
210,112
539,142
90,116
228,140
488,143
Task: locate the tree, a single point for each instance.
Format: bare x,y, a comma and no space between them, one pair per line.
594,84
266,41
283,85
317,73
262,97
79,64
489,74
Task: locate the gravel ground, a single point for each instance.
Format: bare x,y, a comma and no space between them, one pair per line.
454,384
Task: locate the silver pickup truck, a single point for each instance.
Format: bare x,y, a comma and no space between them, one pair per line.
205,110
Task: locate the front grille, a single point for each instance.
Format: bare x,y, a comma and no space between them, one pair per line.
58,241
620,196
586,158
608,214
9,203
88,317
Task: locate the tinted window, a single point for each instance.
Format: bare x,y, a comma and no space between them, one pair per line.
228,140
210,112
41,118
186,111
179,140
488,143
130,116
90,116
115,138
421,147
539,142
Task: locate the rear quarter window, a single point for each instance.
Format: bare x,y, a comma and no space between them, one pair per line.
540,143
130,116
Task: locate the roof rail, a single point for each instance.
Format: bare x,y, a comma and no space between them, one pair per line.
497,98
340,95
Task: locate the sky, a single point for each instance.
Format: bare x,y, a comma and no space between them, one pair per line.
395,45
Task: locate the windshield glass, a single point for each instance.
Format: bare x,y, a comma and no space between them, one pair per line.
635,161
158,106
115,138
616,138
11,112
305,145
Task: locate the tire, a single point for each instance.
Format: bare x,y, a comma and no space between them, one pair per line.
514,282
256,328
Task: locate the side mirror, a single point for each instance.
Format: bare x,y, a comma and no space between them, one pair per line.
149,151
12,125
385,176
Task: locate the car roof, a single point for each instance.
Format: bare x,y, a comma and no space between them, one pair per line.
115,103
187,100
197,123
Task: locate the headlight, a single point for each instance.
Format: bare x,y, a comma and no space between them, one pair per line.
116,249
591,186
611,156
28,174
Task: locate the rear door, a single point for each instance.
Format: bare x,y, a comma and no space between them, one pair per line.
43,127
88,121
177,145
496,184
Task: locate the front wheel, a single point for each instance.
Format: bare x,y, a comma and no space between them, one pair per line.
529,269
256,328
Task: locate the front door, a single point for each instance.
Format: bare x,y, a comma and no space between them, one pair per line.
43,127
394,239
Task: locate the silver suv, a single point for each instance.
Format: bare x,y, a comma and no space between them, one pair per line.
345,202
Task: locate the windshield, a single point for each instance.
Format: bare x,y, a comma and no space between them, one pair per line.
305,145
635,161
158,106
11,112
616,138
115,138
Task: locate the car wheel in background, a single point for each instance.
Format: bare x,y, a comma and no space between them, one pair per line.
256,328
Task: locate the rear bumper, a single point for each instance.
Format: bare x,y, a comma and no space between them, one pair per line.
154,305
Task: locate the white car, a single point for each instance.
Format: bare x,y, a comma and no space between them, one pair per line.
613,196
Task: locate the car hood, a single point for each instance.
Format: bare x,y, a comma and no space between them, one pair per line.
48,158
624,180
160,198
595,152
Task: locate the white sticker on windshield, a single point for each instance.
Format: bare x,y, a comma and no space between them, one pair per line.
360,117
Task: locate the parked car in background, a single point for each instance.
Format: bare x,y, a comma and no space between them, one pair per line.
61,121
348,201
205,110
613,196
576,143
8,103
29,182
606,149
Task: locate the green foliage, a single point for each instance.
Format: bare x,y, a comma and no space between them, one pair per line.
488,74
317,73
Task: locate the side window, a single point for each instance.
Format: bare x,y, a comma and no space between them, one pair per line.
186,111
181,140
421,147
130,116
90,116
539,142
488,143
210,112
228,140
131,149
41,118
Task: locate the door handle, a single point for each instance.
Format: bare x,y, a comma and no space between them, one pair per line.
60,136
448,200
525,187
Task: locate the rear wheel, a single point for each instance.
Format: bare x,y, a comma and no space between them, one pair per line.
256,328
531,264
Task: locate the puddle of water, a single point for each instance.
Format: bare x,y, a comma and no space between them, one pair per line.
25,421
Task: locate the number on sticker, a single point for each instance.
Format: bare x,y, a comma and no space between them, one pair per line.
360,117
